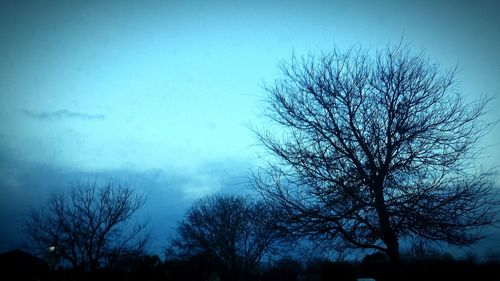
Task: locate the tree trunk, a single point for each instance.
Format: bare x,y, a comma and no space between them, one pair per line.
393,250
388,235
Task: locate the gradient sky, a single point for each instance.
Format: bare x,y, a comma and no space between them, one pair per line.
161,94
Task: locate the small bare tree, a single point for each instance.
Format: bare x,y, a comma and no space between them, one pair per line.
234,230
89,227
369,150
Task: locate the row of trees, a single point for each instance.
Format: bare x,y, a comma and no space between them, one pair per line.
367,151
226,237
91,229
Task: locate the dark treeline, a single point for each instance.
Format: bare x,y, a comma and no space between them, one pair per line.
22,266
222,237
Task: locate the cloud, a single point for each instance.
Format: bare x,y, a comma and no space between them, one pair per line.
62,114
170,192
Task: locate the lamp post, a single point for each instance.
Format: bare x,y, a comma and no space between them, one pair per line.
52,250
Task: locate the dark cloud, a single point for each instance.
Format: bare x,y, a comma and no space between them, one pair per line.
62,114
26,186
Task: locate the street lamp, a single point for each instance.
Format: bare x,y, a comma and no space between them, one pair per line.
52,250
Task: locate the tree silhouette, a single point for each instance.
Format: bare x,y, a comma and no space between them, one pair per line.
234,230
89,226
371,149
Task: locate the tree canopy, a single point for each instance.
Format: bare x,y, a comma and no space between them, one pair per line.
235,231
371,148
90,226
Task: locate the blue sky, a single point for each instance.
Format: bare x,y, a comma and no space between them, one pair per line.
161,94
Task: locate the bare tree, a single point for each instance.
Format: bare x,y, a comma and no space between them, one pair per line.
89,227
371,149
235,230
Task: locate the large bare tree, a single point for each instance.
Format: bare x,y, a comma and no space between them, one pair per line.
371,148
234,230
89,227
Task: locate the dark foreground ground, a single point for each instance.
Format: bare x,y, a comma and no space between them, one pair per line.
18,265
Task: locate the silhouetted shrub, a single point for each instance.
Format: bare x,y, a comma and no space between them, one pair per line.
146,267
22,266
337,271
199,267
376,266
439,269
286,269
